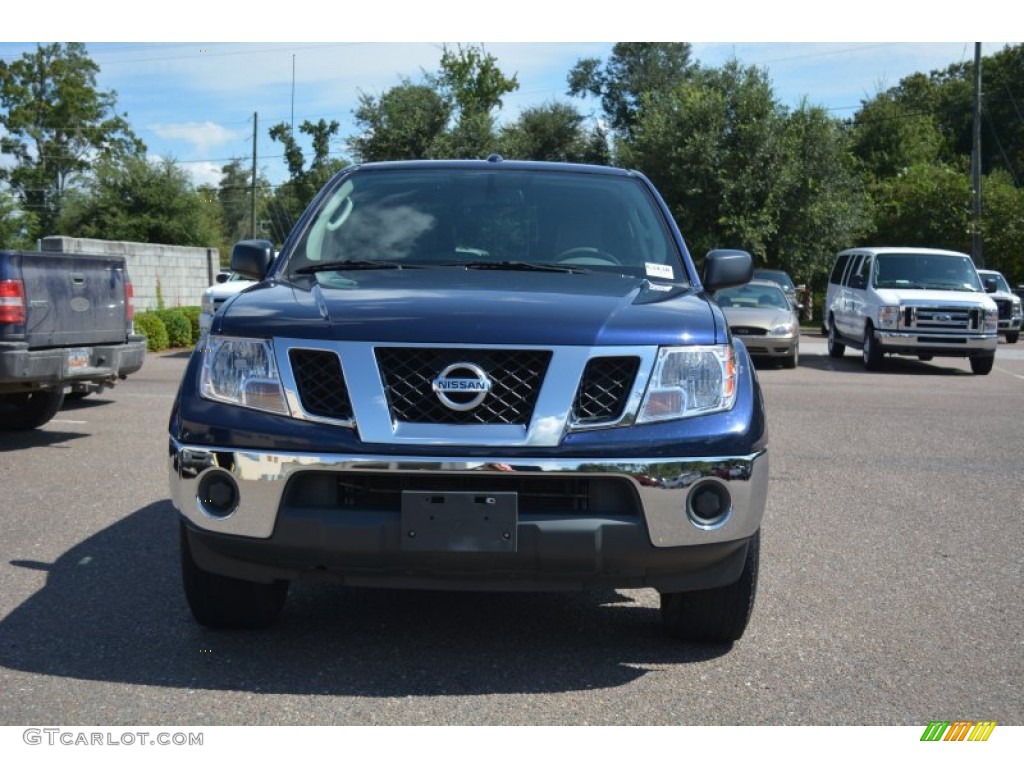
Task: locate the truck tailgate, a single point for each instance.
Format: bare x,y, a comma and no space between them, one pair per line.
73,299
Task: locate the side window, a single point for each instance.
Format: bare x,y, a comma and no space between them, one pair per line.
855,262
838,269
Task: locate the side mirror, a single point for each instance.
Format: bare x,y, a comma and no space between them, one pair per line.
724,268
252,258
990,286
222,277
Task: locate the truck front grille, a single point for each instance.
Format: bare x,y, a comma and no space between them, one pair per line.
748,330
320,383
604,389
942,319
515,375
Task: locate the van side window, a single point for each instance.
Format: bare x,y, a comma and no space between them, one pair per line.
837,270
855,262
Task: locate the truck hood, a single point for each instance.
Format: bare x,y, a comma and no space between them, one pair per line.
453,306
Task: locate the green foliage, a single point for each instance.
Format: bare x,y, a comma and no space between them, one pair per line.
553,131
1002,221
178,326
404,123
152,327
192,313
41,95
635,74
925,205
713,146
15,224
140,201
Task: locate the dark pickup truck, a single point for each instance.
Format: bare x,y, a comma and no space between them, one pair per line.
65,323
479,375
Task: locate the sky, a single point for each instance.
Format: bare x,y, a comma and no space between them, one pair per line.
194,100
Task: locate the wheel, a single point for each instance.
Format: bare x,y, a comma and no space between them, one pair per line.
794,361
28,410
871,350
982,366
835,347
586,255
1011,338
220,602
926,358
718,615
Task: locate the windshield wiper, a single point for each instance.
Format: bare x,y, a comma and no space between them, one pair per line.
345,266
524,266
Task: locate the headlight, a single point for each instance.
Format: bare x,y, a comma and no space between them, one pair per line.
783,329
1015,310
690,381
888,317
207,304
991,321
242,372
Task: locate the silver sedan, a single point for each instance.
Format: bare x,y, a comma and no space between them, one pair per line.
761,315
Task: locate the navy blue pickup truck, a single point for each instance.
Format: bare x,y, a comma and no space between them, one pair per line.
65,325
484,375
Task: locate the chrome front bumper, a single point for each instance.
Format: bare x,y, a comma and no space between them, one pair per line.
954,343
662,485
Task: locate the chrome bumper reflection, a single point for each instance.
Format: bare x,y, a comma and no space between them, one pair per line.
661,484
930,342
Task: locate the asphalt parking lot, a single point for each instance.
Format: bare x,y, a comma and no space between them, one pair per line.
890,588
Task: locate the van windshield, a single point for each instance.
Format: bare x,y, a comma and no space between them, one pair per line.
925,272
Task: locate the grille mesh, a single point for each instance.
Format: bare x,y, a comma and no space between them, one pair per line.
320,383
408,374
604,389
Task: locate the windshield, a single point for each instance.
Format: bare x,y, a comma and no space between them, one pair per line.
925,271
753,296
578,222
775,275
1000,281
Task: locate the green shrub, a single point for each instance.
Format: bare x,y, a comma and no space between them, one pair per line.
192,313
153,328
179,329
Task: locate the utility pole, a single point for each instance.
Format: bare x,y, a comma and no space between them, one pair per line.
252,219
976,255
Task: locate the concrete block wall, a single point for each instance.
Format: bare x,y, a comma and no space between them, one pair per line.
183,272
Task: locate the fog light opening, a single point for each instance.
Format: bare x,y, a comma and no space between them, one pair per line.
708,505
217,494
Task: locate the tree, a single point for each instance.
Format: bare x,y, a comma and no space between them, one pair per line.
141,201
553,131
713,147
14,223
471,83
635,73
234,195
823,204
291,198
57,125
889,136
927,204
1002,221
404,123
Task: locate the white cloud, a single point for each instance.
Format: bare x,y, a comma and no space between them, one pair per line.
202,136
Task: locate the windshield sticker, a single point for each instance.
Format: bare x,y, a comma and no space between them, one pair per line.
659,270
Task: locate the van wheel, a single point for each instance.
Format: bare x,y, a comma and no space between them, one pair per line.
872,352
220,602
982,366
718,615
835,347
28,410
1011,338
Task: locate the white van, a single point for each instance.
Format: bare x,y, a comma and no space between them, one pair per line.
924,302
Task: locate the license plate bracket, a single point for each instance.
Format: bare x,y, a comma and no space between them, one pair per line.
459,521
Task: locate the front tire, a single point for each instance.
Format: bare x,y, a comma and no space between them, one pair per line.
835,347
28,410
872,352
718,615
1011,338
794,361
221,602
982,366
